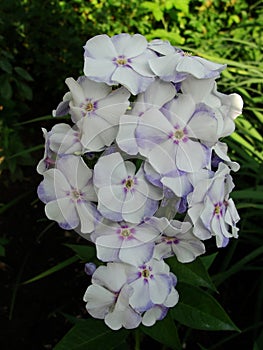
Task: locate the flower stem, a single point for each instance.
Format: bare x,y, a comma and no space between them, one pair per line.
137,340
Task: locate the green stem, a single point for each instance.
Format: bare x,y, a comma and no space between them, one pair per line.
137,340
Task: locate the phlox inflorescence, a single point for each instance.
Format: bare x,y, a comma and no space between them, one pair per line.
144,145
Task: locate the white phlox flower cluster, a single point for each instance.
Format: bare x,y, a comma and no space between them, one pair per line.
144,145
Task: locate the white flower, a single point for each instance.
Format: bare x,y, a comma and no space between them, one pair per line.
170,138
122,194
122,59
157,94
152,283
96,110
126,242
178,239
169,67
211,210
68,193
108,297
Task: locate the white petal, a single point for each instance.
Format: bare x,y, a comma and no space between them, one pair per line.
86,215
191,156
100,46
113,276
97,133
99,70
126,135
159,288
76,91
109,170
114,105
164,66
75,170
136,255
63,211
54,185
132,80
98,299
111,200
140,299
172,298
129,46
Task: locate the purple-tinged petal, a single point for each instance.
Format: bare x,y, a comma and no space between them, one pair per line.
63,211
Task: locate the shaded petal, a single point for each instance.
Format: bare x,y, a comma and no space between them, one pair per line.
97,133
99,301
106,276
159,288
140,299
99,70
132,80
75,170
191,156
111,200
126,135
109,170
136,255
86,214
54,185
63,211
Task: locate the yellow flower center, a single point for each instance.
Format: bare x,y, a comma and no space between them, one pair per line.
145,273
121,61
129,183
89,107
178,134
125,232
217,209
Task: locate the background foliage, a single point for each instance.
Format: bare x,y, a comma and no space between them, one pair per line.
41,44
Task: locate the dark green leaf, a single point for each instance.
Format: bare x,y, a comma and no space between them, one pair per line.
5,87
199,310
2,250
91,334
84,252
6,66
165,332
53,269
23,73
208,260
25,91
193,273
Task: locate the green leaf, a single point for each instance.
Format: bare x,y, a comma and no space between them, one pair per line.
5,87
84,252
25,91
23,74
91,334
182,5
6,66
193,273
2,250
199,310
165,332
53,269
248,194
208,260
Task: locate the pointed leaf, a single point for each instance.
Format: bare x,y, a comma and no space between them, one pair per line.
193,273
84,252
91,334
53,269
165,332
199,310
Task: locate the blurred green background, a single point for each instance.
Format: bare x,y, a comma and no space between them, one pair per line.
41,43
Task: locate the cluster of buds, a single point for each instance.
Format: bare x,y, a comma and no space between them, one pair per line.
143,150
